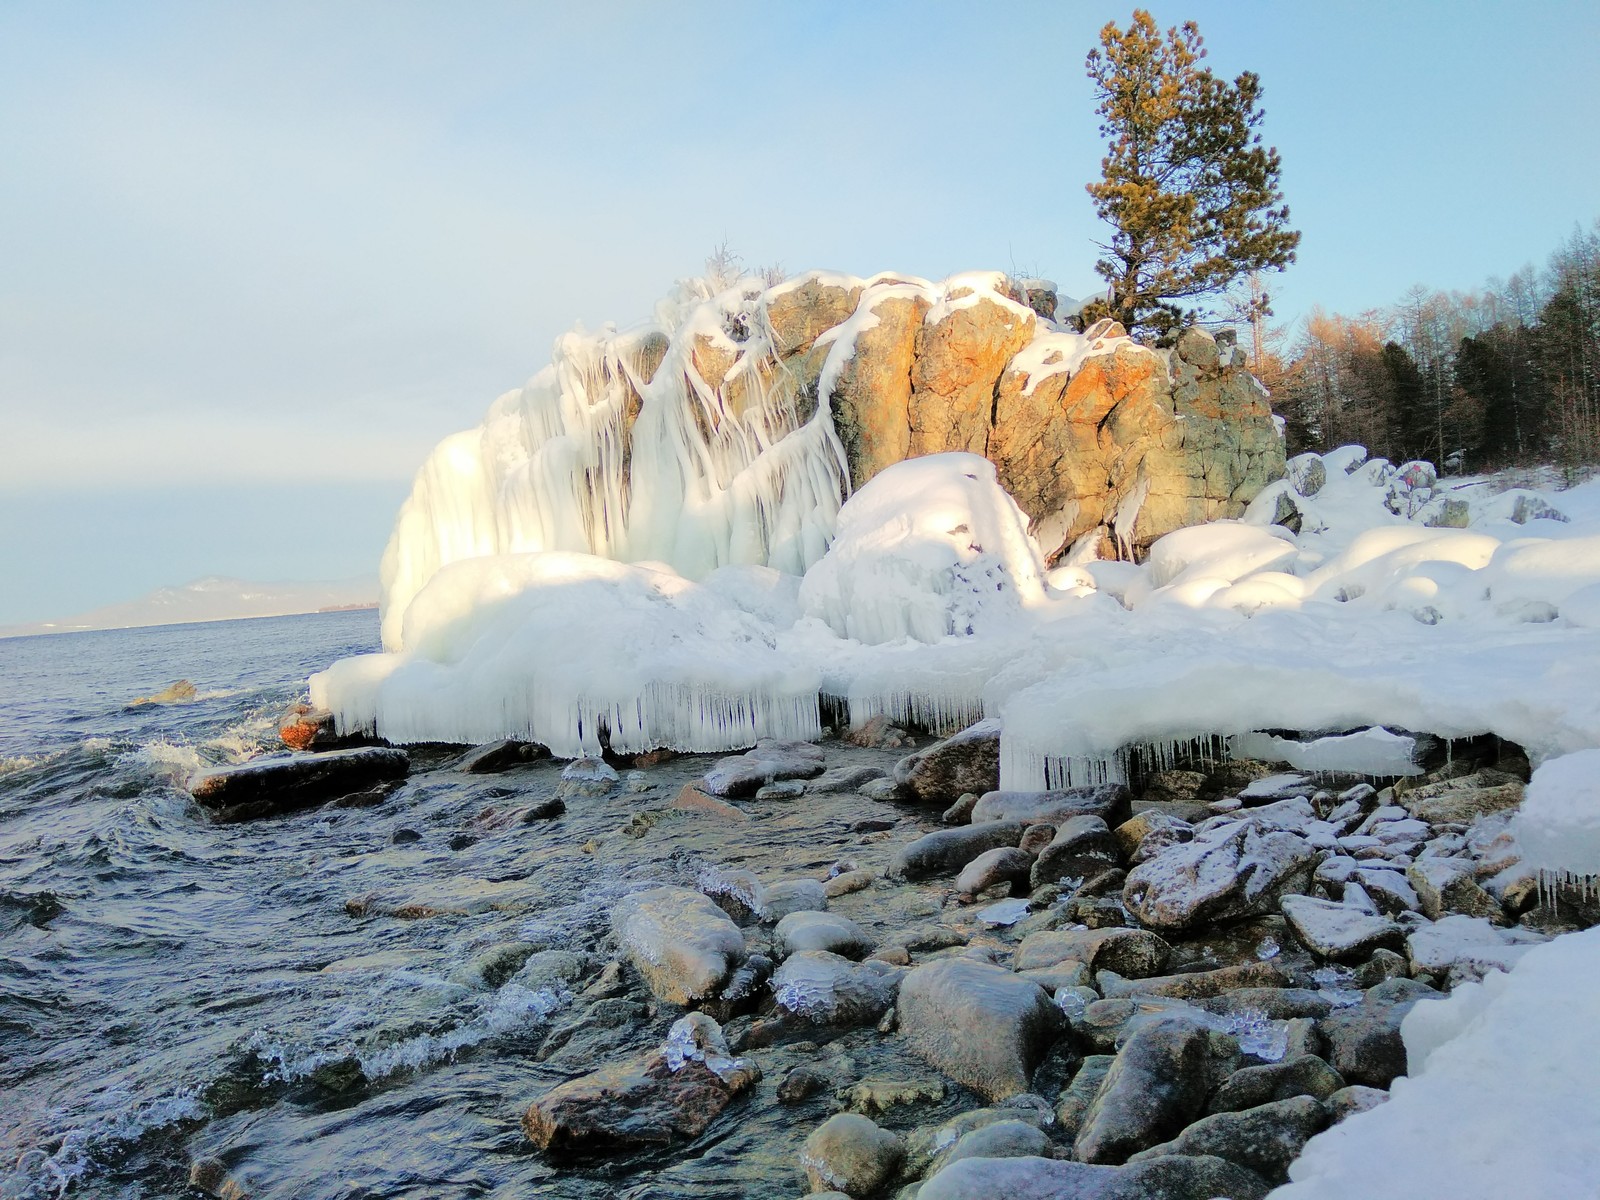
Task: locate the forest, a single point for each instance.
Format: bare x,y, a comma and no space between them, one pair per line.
1504,376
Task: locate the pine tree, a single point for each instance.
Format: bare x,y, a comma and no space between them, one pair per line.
1189,191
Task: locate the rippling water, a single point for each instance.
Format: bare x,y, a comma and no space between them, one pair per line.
172,989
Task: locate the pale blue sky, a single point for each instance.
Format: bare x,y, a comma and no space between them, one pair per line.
255,259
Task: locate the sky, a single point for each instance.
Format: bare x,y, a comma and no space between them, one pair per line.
257,258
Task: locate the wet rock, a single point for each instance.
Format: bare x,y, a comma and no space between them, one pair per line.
551,970
1156,1086
960,813
828,989
1348,1101
1273,1003
1073,1104
846,882
1364,1043
1153,829
488,969
1003,1139
1132,953
1082,847
745,774
881,789
1002,865
500,756
179,692
273,784
966,762
794,895
307,728
692,798
1227,872
681,942
1195,985
737,893
211,1176
789,789
667,1095
1338,931
1304,1075
948,850
810,930
843,779
801,1083
1263,1140
848,1153
879,733
404,837
1177,1177
1108,801
980,1024
587,777
872,1096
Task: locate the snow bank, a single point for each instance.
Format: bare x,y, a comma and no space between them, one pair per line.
1558,826
929,548
1500,1098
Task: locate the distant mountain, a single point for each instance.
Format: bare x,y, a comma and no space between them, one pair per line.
214,598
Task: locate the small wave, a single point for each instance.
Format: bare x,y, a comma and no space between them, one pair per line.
161,761
512,1009
40,1173
21,762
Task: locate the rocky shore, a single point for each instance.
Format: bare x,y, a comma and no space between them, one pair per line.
858,968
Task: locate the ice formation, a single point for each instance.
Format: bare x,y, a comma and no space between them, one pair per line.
650,544
1528,1038
931,548
1558,826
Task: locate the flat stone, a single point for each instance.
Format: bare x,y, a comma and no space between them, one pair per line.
743,775
280,783
1196,985
691,798
945,851
1109,802
1338,931
843,779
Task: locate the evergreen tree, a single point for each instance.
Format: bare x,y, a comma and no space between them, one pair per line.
1189,191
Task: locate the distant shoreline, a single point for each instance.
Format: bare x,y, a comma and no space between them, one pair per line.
48,629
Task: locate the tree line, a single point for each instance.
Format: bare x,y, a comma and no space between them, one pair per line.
1509,374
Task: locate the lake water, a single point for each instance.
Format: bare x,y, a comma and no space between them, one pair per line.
174,990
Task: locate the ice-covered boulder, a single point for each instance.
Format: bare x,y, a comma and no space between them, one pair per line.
679,940
932,547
